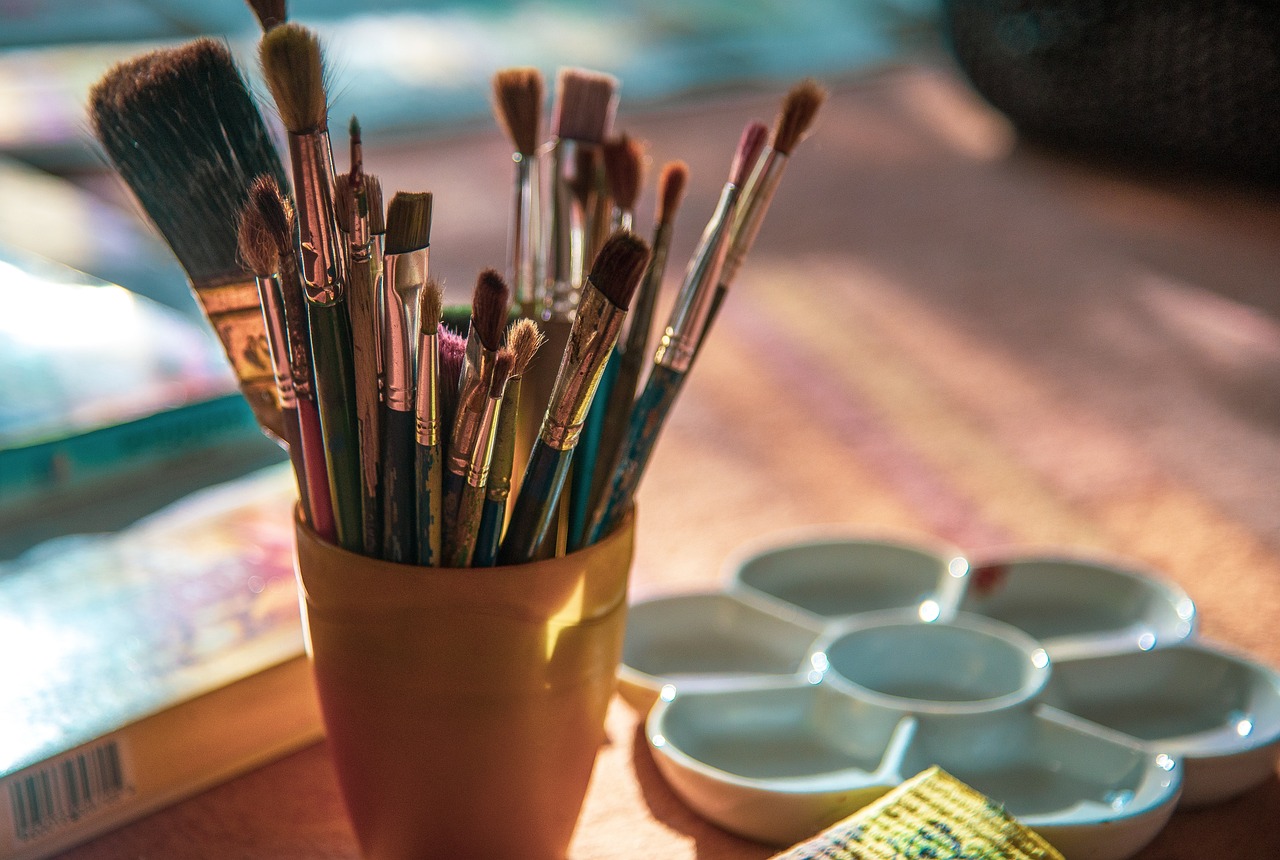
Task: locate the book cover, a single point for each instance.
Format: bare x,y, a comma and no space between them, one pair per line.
143,666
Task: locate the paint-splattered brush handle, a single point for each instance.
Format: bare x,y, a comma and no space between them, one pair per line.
399,493
429,469
544,480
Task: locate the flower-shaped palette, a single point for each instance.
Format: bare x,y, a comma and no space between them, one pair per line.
832,667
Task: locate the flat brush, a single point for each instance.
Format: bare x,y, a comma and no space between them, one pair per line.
524,340
404,274
583,114
606,295
799,109
471,503
428,463
261,256
517,102
679,343
270,13
181,129
634,353
276,214
490,304
293,68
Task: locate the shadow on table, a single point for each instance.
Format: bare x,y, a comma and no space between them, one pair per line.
710,842
1242,827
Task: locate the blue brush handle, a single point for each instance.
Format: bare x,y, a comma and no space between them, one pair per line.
536,505
399,493
586,461
648,416
491,518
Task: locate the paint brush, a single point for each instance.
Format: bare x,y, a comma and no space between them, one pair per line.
471,503
679,343
181,129
635,349
261,256
428,463
799,109
624,175
585,103
524,340
293,68
606,295
490,303
276,213
517,103
453,354
404,274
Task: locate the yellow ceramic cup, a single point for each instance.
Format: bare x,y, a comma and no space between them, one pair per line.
464,707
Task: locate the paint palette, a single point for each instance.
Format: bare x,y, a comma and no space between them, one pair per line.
832,667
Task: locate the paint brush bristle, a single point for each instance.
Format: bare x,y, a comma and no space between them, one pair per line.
183,132
344,202
799,109
275,210
503,367
624,170
294,71
258,248
453,351
525,339
270,13
408,222
430,308
619,266
489,306
671,185
753,140
517,104
377,214
584,106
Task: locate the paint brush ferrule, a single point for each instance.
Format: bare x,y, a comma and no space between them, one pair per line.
572,201
525,245
756,197
482,452
472,393
591,340
323,268
403,274
235,312
270,296
426,401
693,303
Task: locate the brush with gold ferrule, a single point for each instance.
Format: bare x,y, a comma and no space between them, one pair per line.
517,103
606,295
293,68
277,215
181,129
585,103
261,255
624,174
490,303
404,274
466,521
524,340
351,199
428,460
634,351
799,109
679,343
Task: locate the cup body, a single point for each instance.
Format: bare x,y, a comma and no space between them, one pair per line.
464,707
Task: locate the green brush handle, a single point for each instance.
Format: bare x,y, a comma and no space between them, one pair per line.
466,526
647,418
491,518
399,493
544,480
335,392
587,461
452,484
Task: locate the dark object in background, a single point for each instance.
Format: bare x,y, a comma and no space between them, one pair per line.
1171,83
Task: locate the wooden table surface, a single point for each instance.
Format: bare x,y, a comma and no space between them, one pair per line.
940,333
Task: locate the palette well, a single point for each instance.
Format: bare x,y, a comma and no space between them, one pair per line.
833,666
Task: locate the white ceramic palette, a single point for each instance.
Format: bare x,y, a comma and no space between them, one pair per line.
832,667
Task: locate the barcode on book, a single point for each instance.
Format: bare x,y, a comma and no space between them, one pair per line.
61,791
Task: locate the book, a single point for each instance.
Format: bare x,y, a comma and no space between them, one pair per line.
146,665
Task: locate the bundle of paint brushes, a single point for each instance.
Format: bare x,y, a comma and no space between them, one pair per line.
403,433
